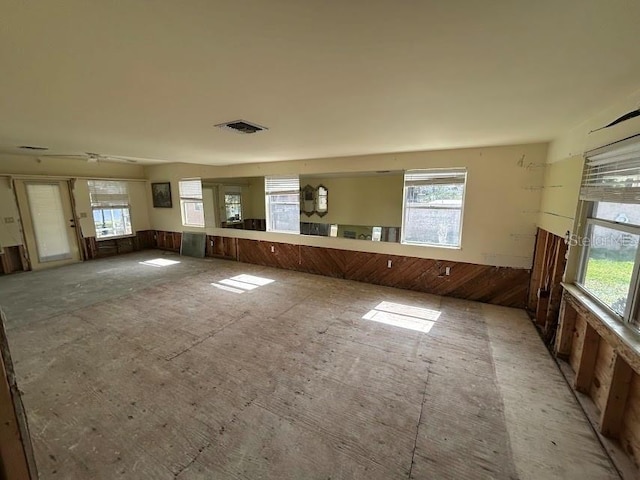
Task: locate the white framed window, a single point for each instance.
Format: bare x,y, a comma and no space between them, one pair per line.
110,207
610,234
433,206
191,205
282,199
233,206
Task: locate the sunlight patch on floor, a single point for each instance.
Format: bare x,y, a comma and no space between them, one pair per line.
242,283
403,316
159,262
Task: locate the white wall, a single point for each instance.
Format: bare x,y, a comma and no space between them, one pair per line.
501,206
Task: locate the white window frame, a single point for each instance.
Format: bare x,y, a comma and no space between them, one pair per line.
281,185
190,194
433,176
603,166
110,195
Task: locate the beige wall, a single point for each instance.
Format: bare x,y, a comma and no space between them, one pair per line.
501,205
583,138
18,165
560,195
362,200
255,205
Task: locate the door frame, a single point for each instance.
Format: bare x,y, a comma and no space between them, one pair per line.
22,201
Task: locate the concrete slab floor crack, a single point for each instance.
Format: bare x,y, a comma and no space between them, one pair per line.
415,442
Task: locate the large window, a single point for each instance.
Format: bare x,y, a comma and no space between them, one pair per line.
433,205
191,205
610,235
110,207
282,198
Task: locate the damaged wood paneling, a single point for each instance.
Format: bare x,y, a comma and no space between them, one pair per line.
497,285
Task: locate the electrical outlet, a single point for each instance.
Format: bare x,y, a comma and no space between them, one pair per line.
212,243
447,270
273,249
388,263
83,214
9,220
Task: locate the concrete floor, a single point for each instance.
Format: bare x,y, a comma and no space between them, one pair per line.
193,371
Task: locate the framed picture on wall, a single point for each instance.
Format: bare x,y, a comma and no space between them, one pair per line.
161,193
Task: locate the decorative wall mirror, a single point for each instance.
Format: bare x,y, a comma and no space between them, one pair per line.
307,200
322,200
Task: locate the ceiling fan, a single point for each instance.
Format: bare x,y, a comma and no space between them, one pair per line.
92,157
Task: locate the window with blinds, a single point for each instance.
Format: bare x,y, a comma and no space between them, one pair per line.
433,207
282,199
610,236
613,175
191,205
110,208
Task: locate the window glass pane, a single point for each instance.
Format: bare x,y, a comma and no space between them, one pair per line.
436,195
433,207
618,212
283,204
192,213
112,222
284,217
432,226
610,259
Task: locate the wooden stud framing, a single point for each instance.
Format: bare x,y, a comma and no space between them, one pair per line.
566,327
613,412
537,269
555,297
588,356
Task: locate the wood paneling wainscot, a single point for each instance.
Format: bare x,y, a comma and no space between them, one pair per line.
497,285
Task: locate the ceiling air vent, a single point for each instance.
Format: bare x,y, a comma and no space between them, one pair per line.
241,126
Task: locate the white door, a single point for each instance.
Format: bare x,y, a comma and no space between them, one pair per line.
47,222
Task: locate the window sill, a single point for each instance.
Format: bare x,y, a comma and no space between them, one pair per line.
622,332
432,245
114,237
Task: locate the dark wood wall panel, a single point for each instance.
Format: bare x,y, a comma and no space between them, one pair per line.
168,240
329,262
221,247
284,255
145,239
94,248
13,259
484,283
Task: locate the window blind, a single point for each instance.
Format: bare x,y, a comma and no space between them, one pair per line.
282,185
435,177
612,173
190,189
108,193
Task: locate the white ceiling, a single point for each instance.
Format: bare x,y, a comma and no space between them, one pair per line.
327,77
